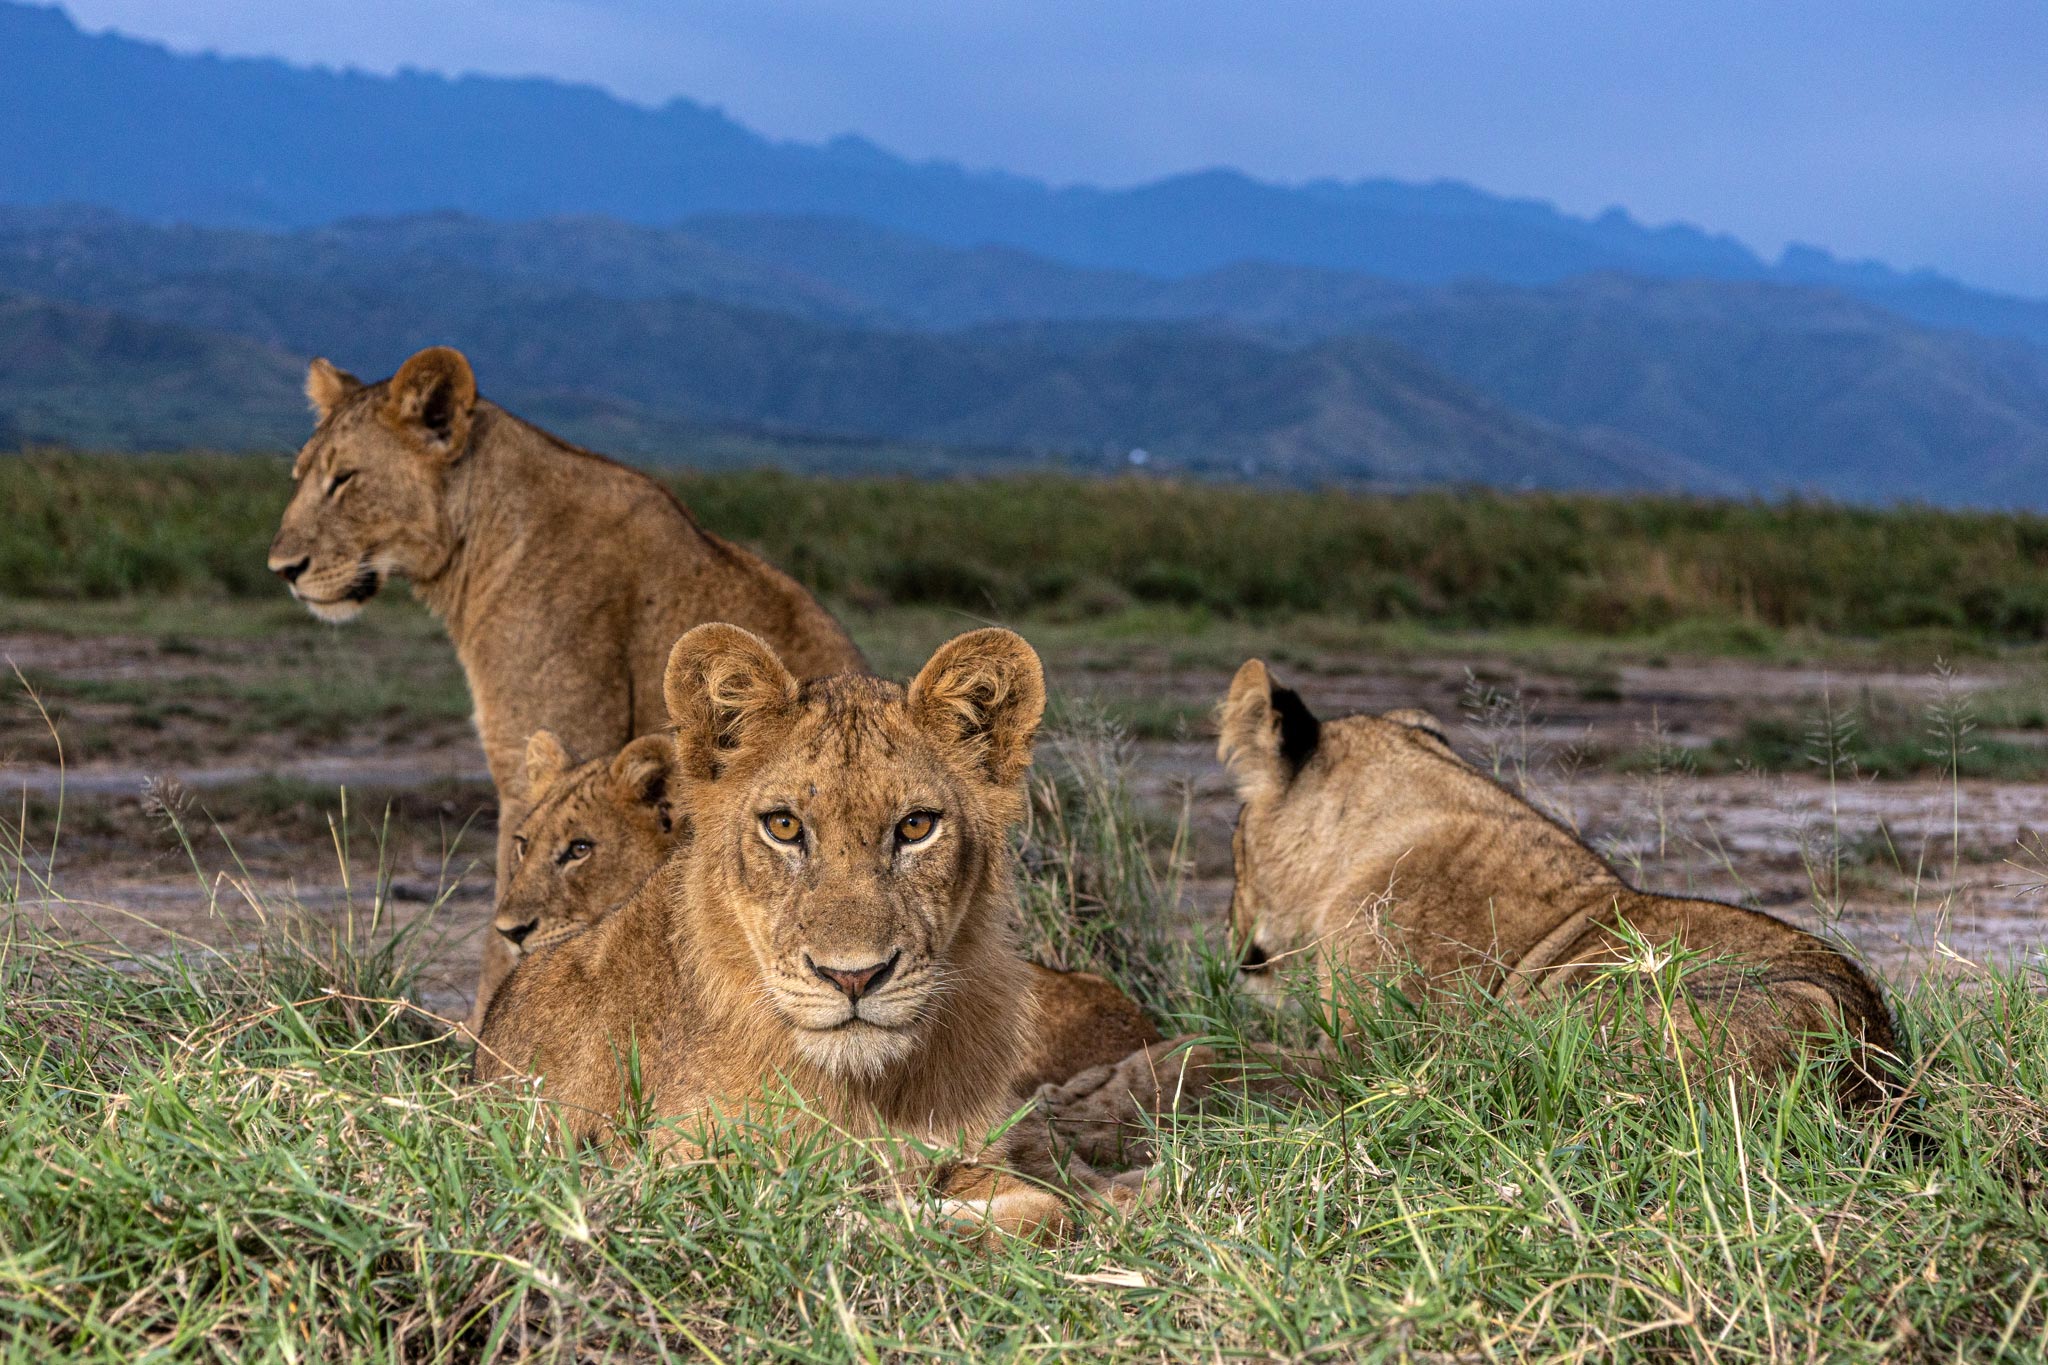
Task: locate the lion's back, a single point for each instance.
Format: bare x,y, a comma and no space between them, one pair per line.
1458,874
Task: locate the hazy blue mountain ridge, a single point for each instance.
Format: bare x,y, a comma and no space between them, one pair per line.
116,121
1266,371
635,374
640,275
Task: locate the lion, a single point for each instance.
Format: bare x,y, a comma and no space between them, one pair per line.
561,576
1365,845
593,834
598,830
839,923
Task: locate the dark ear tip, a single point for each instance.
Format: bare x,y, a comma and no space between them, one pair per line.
1300,731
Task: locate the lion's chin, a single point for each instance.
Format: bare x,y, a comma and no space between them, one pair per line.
335,612
855,1049
349,604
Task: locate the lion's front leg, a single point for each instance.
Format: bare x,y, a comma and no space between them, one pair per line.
978,1198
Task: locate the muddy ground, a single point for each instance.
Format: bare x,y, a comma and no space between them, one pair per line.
207,753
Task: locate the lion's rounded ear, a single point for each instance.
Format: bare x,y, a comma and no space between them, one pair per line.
546,760
726,689
984,691
432,400
642,770
328,386
1265,733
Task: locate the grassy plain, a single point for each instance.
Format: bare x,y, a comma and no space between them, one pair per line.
272,1153
245,1135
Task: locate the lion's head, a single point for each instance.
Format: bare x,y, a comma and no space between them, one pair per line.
369,501
596,832
855,834
1299,778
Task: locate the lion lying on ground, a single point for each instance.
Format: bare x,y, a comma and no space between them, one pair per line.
597,831
1366,845
562,577
839,923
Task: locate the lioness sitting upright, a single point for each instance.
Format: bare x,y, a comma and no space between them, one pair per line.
841,917
598,830
562,577
1366,844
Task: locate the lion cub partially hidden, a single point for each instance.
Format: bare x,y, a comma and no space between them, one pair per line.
840,922
1365,844
598,830
594,834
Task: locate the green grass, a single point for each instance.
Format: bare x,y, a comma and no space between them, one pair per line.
274,1155
223,670
1786,744
274,1158
1875,735
1702,577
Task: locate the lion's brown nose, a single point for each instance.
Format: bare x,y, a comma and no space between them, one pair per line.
854,982
290,572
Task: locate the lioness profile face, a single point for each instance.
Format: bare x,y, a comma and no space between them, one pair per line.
369,499
1306,786
851,825
597,831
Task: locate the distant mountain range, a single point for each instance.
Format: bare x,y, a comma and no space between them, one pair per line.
629,336
712,289
632,373
115,121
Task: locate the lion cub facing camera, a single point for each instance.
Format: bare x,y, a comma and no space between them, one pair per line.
599,829
840,922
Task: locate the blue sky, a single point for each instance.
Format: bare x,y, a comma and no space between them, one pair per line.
1915,133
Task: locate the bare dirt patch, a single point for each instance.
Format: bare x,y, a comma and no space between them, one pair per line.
213,776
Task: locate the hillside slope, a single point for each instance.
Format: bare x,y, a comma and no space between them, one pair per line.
632,374
1781,388
97,379
822,326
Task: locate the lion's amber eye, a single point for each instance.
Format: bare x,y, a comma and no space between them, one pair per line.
518,848
783,827
916,827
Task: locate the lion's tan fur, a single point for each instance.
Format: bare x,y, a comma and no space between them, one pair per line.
619,814
1379,850
709,978
562,577
1366,846
593,834
1084,1020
